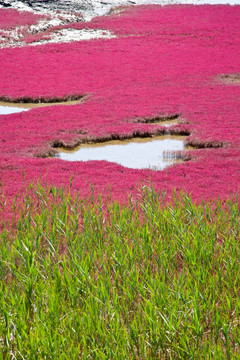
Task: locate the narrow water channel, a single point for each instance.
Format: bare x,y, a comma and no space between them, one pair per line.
138,153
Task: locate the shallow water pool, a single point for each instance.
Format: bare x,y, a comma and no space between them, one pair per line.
138,153
5,110
11,107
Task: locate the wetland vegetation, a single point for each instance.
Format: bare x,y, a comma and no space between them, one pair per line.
94,279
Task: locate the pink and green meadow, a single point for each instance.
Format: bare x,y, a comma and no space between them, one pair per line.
100,261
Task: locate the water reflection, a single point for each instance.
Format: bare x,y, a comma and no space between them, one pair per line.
5,110
135,153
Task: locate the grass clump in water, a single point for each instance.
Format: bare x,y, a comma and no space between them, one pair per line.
87,279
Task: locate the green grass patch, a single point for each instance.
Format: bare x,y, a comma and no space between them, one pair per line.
88,279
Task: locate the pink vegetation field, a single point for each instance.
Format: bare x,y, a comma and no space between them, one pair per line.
162,61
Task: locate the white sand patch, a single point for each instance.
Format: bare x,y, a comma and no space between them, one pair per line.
69,35
15,38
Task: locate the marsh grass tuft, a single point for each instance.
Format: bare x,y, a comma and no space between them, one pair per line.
89,279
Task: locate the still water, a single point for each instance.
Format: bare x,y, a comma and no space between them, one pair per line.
5,110
138,153
135,153
11,108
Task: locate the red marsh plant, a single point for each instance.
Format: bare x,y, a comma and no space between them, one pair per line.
164,61
11,19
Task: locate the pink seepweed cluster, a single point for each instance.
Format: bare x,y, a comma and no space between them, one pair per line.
163,61
12,19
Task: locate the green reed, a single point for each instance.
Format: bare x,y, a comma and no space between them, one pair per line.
93,279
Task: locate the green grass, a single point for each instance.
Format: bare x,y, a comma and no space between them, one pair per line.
87,279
